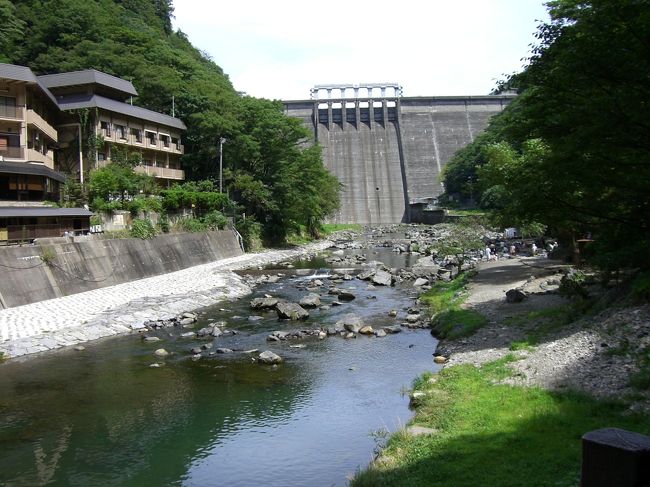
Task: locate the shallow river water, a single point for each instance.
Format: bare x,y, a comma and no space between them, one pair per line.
103,417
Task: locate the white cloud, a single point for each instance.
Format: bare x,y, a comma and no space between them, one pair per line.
280,49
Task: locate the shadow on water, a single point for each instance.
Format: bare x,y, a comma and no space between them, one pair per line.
104,417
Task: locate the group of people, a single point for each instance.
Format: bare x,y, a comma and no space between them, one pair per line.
509,250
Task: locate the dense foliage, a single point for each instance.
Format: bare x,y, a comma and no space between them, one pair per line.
277,179
572,152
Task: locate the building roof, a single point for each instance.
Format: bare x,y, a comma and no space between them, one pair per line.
27,212
23,73
72,102
36,169
88,77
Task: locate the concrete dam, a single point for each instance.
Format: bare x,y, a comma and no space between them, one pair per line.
388,150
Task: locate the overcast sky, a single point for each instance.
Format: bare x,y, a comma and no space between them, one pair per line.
279,49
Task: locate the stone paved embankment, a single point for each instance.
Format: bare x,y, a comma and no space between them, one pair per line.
120,309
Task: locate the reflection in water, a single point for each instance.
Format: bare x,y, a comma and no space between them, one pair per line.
45,467
103,417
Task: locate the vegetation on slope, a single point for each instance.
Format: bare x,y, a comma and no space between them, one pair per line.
277,180
572,150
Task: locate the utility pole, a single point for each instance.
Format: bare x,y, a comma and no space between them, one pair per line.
221,142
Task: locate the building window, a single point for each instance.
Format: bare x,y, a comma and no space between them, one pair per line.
106,128
7,106
151,137
120,130
137,135
176,142
101,156
165,140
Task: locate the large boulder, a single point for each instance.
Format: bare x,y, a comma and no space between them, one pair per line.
264,303
365,275
346,296
392,329
420,281
350,322
382,278
312,300
515,296
291,311
268,357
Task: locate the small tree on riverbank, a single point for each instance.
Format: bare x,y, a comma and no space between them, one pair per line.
463,239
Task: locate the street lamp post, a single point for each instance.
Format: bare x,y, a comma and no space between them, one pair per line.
221,142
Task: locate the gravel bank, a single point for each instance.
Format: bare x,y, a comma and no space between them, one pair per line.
124,308
596,354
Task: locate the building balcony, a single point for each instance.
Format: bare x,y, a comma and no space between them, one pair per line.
12,113
162,172
36,156
37,121
12,152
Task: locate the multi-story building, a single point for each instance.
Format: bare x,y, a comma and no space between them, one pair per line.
46,123
120,125
27,137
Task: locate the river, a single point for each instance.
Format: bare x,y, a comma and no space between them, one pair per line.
102,416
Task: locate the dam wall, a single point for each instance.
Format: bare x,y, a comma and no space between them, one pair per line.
62,266
388,153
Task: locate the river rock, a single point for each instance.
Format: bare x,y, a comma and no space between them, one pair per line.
515,296
366,330
350,335
80,348
264,303
392,329
291,311
194,316
196,357
161,352
187,321
420,281
151,339
312,300
268,357
365,275
412,318
224,350
393,313
380,333
346,296
350,322
322,335
440,359
382,278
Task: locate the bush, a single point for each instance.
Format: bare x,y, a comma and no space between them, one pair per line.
251,232
163,223
574,284
215,220
192,225
142,228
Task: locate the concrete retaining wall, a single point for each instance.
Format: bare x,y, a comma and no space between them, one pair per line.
90,263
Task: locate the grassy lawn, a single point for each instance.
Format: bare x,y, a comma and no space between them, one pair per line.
494,434
450,320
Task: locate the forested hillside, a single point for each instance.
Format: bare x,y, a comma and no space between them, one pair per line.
134,39
572,151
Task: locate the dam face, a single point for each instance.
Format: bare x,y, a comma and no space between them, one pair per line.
388,151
